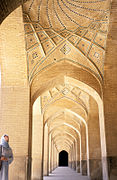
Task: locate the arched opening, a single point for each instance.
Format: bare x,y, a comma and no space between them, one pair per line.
63,158
49,82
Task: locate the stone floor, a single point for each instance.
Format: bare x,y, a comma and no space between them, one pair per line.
65,173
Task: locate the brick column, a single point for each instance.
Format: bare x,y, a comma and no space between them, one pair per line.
95,161
37,142
14,115
50,159
110,93
84,151
45,169
78,156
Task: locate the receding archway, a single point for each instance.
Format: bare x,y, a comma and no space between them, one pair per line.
63,158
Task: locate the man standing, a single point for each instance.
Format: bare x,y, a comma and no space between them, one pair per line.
6,156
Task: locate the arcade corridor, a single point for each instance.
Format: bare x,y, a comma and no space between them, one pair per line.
58,88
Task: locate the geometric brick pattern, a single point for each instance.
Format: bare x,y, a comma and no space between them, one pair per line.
63,28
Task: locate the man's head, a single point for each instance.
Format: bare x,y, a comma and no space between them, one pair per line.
6,138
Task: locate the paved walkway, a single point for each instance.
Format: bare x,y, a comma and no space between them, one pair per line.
65,173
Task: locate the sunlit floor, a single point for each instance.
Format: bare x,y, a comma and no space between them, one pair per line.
65,173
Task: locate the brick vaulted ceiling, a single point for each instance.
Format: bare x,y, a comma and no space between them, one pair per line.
75,30
7,6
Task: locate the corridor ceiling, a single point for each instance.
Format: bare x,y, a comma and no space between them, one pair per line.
7,6
61,36
71,30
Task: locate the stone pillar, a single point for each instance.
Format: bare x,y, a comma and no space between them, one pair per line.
50,159
56,158
95,162
75,145
84,151
48,155
110,93
70,158
74,157
15,98
78,156
52,156
45,169
37,142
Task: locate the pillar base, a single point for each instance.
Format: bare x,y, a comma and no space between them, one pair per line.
36,169
78,167
70,164
84,167
95,166
112,167
74,162
18,168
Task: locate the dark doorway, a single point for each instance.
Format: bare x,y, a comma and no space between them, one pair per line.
63,158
